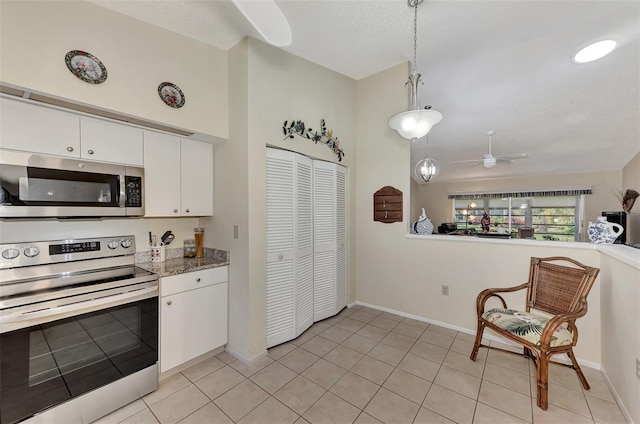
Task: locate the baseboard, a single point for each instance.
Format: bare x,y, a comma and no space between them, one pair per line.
190,363
625,412
564,359
244,359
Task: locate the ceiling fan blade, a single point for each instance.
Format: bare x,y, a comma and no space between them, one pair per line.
468,161
510,157
267,18
475,162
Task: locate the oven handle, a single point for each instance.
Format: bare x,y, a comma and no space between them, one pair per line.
21,317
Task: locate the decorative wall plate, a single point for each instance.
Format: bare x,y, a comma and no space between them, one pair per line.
171,94
86,66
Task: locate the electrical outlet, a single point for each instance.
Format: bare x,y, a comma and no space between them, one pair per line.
445,290
638,367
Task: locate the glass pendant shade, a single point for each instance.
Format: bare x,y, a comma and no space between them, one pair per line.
427,169
415,124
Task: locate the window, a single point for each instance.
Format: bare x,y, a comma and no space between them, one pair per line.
550,217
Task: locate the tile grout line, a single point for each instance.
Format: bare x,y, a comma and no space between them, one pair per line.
395,367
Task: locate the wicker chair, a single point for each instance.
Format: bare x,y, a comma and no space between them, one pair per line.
553,288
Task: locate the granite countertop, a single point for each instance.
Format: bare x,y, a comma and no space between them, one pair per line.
177,264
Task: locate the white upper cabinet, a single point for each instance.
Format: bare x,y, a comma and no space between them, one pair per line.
196,178
33,128
161,174
110,142
38,129
178,176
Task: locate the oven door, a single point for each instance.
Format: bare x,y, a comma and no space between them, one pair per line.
48,363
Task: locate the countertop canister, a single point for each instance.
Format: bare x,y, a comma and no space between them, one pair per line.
199,236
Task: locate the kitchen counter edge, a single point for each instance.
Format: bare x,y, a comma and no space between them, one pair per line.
176,265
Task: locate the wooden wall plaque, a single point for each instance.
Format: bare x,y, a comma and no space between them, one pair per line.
387,205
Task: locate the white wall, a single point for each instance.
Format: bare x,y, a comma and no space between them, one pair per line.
406,274
269,86
34,38
620,293
605,186
231,207
36,35
22,231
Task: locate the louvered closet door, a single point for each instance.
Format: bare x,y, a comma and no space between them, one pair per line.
304,243
324,240
280,247
341,236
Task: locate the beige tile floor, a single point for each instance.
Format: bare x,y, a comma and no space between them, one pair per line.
367,366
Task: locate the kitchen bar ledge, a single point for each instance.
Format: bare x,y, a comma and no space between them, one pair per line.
625,254
177,264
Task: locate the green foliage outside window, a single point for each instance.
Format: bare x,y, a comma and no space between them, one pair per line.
551,218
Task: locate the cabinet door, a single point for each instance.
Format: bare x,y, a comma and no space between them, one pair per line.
38,129
196,178
324,239
106,141
161,174
192,323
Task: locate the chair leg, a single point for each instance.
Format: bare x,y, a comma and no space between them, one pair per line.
576,367
476,345
542,374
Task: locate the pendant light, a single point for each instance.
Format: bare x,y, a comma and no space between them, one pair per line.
415,123
427,169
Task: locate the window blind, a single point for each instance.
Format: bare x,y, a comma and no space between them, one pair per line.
514,194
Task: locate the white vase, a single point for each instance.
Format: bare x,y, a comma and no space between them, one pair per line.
603,231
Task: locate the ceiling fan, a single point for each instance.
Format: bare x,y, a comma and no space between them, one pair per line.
489,161
267,18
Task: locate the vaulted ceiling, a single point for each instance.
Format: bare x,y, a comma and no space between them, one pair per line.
486,65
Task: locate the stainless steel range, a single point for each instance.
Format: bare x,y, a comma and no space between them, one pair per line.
78,329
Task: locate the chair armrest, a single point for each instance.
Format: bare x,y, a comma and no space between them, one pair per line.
560,319
487,293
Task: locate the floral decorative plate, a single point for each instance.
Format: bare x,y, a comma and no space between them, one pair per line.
171,94
86,66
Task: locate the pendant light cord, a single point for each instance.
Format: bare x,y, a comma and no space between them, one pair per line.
415,36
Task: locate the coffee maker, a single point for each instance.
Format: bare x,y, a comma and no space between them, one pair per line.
618,217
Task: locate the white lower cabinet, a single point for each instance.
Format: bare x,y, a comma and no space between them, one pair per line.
193,315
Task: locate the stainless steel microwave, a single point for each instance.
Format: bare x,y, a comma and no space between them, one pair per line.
35,186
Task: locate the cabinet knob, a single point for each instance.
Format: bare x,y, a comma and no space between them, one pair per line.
187,211
197,280
90,151
280,256
69,149
169,302
175,211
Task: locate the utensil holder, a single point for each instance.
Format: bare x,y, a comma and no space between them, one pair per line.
158,253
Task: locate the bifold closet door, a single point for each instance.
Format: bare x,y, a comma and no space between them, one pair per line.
341,238
326,264
289,285
304,243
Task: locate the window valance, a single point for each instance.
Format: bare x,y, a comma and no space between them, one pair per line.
528,193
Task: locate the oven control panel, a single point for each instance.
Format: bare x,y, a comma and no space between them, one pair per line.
16,255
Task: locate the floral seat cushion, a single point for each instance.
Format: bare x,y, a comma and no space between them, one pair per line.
526,326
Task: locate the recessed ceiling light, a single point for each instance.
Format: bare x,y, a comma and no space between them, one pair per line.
594,51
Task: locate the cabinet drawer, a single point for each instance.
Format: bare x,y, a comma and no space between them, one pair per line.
192,280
